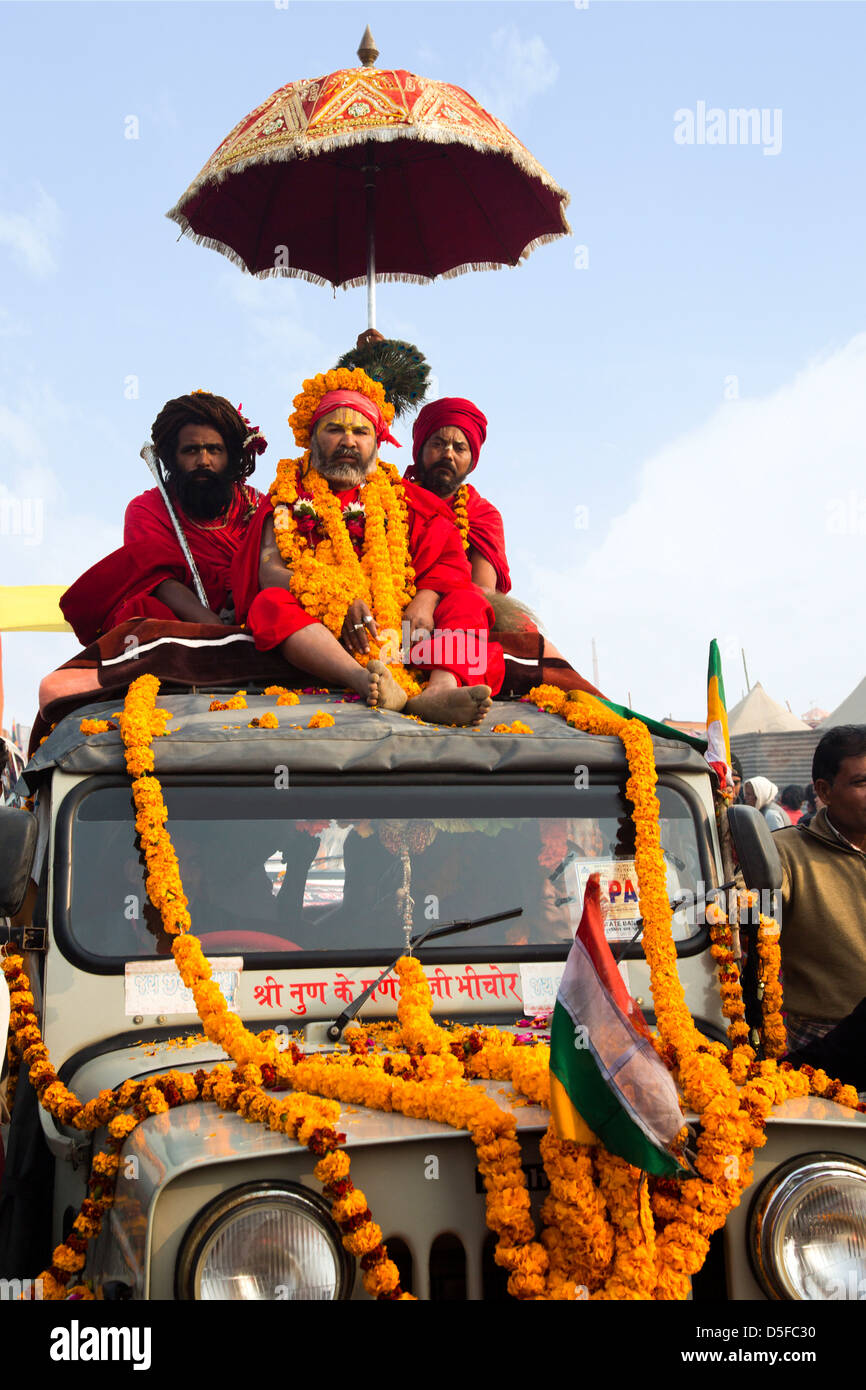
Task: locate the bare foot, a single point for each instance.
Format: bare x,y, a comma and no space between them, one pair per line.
467,704
383,692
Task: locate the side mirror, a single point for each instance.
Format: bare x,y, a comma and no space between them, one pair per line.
17,852
758,857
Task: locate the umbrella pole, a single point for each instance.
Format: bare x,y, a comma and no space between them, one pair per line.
369,171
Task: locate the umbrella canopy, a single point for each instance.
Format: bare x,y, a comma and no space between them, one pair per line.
288,191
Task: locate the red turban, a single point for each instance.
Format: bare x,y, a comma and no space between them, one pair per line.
451,410
354,400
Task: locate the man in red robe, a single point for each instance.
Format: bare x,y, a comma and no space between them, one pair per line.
448,620
446,440
207,450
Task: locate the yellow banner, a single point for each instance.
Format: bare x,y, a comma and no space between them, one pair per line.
32,608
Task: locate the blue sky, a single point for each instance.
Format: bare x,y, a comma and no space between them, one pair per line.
698,388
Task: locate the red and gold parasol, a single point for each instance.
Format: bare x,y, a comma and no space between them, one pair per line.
439,185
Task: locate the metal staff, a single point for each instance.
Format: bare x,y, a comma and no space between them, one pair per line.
148,453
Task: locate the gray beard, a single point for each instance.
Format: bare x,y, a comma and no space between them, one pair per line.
342,472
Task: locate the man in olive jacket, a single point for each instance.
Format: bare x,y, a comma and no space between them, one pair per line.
823,921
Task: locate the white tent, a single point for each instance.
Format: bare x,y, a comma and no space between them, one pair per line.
851,711
758,713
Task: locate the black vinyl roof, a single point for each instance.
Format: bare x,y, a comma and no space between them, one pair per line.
361,742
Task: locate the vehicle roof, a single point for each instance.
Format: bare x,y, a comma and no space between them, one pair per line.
360,742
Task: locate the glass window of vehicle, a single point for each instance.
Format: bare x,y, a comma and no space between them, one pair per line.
339,869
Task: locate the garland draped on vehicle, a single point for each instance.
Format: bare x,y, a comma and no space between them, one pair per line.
607,1232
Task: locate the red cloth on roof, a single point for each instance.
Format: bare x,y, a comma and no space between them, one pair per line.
121,586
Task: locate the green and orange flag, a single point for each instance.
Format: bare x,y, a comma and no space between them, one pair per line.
607,1083
718,753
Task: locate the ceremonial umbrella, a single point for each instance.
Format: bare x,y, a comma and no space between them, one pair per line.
371,173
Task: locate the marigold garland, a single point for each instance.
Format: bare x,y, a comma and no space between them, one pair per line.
220,1024
773,1031
327,577
461,513
608,1232
732,1119
730,984
306,402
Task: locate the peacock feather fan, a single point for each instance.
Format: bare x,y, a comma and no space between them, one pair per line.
401,368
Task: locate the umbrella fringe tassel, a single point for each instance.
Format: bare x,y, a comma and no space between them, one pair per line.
384,277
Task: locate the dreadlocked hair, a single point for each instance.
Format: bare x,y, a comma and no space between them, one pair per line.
201,408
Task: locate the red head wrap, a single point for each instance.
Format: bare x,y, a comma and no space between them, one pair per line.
354,400
451,410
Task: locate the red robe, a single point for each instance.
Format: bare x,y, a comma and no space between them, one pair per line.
440,564
486,532
121,586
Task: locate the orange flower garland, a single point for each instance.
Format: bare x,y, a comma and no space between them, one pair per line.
302,1117
774,1034
329,576
730,984
306,403
732,1120
609,1233
461,514
220,1024
578,1235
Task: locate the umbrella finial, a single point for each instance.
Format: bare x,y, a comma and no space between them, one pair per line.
367,50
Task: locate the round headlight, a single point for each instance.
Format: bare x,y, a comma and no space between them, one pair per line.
264,1241
807,1229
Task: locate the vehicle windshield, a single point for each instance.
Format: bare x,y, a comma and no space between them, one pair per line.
337,870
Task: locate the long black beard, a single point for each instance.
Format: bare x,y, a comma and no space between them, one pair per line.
441,485
203,495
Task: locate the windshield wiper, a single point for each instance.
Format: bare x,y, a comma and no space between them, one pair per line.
682,900
335,1029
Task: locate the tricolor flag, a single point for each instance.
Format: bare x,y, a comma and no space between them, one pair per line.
655,726
718,753
607,1083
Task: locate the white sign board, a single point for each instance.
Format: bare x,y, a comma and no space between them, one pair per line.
155,987
539,982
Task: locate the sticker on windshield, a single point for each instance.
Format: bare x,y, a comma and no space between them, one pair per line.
155,987
619,894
